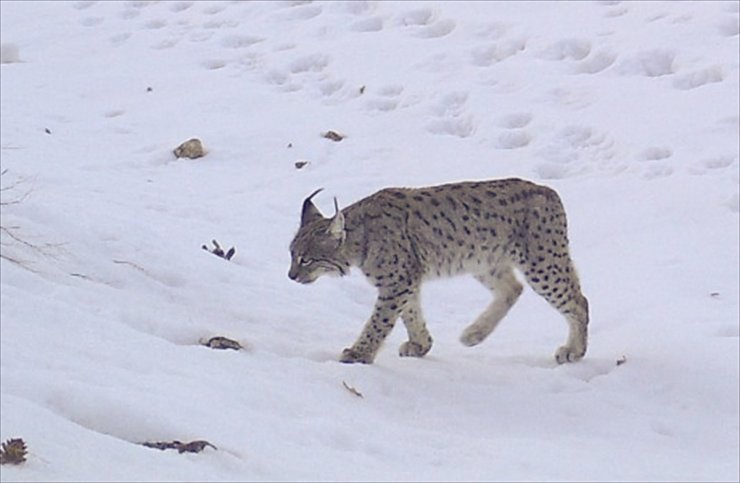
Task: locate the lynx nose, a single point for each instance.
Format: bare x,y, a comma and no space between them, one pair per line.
292,274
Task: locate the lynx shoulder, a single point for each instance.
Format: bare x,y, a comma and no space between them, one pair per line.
400,237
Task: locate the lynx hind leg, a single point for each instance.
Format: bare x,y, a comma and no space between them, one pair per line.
576,313
506,290
558,284
420,341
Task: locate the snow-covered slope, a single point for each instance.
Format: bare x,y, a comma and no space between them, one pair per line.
629,110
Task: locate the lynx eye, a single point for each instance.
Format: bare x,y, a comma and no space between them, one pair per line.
304,262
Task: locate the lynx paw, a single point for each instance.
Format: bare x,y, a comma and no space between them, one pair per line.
567,354
472,336
351,356
413,349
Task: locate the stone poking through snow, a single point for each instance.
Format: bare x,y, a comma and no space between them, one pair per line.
192,148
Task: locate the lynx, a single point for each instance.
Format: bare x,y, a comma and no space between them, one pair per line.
400,237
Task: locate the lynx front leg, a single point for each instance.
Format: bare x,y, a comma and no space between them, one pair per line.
419,341
388,307
506,290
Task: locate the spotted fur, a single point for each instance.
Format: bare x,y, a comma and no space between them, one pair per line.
400,237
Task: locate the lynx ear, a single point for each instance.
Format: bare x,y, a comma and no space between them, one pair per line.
336,227
310,212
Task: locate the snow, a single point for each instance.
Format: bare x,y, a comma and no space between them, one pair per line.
629,109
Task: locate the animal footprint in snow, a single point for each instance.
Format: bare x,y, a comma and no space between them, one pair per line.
698,78
491,54
450,105
568,49
733,203
574,144
84,5
438,29
381,104
387,99
419,17
91,21
424,23
658,171
452,117
300,12
391,90
730,27
155,24
119,38
180,6
114,113
372,24
552,171
200,36
129,14
310,63
213,64
712,164
653,63
596,62
240,41
214,9
462,127
165,44
655,153
515,121
513,139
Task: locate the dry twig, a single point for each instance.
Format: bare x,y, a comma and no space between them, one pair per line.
191,447
219,252
220,342
352,389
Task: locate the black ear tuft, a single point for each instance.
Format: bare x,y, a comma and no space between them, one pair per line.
310,212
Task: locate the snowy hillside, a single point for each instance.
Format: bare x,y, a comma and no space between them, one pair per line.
630,110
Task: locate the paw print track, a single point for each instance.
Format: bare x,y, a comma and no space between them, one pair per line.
488,55
713,164
568,49
515,136
386,99
652,63
574,149
596,62
656,153
515,121
424,23
372,24
513,139
699,78
451,116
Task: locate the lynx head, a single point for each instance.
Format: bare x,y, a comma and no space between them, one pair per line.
318,247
